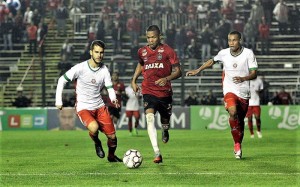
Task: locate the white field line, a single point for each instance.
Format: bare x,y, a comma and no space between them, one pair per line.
136,173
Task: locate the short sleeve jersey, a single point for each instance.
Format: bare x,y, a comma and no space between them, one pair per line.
236,65
133,101
256,85
88,84
157,64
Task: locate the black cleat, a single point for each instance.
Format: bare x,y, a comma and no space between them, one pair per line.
99,151
114,159
158,159
165,136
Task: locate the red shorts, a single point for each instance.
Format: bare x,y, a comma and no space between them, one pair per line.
230,100
253,110
101,115
131,113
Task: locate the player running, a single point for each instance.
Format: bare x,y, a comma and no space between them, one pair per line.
156,62
239,66
90,77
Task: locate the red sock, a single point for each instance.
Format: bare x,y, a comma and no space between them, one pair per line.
250,125
235,130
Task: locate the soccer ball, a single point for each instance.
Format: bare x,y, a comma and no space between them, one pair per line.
132,158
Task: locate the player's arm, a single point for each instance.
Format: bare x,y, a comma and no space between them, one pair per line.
112,96
176,73
207,64
252,75
137,73
59,89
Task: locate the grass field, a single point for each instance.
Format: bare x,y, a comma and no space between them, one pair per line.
191,158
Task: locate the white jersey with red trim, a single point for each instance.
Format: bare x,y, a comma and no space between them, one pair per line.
236,65
256,85
133,99
88,84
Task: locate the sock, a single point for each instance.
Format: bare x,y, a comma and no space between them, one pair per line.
152,131
95,138
136,122
258,123
235,130
250,125
130,124
112,146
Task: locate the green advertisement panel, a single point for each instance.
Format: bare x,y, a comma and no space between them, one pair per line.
272,117
23,119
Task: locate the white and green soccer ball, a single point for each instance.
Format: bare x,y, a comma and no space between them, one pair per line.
132,158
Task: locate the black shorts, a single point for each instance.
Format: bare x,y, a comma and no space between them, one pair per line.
161,104
114,111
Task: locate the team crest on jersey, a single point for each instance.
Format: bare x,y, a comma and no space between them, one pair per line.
234,65
93,81
159,56
144,52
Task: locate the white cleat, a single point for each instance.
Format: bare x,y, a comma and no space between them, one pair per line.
238,154
259,135
252,136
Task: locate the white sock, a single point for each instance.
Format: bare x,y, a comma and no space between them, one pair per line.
152,132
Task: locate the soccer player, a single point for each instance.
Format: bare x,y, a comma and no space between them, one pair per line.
90,77
132,109
159,64
239,67
256,86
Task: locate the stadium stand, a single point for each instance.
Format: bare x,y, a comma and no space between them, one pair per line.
280,67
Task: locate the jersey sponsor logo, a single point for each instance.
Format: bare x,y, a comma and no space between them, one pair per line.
159,56
154,66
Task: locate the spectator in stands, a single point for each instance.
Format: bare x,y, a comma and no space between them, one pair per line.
192,52
75,12
257,12
264,35
264,94
52,6
117,38
62,15
21,100
246,9
100,27
27,18
36,17
85,53
32,37
67,50
64,65
281,12
41,36
250,33
192,99
181,42
170,35
238,24
268,6
134,51
19,28
91,32
228,9
206,38
7,29
214,15
294,17
133,28
222,29
210,98
284,98
202,10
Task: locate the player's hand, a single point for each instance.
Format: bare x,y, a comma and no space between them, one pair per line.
238,80
192,72
161,81
116,103
135,87
59,107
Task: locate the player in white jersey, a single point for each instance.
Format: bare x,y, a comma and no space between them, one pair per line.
256,86
132,109
90,77
239,67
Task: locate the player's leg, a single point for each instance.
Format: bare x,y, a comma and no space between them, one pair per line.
257,112
165,111
230,101
129,115
107,127
87,118
136,115
250,122
149,107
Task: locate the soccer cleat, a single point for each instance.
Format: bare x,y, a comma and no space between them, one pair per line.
158,159
99,151
238,151
165,136
252,135
114,159
259,135
134,131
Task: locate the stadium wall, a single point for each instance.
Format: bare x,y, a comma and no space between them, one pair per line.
189,118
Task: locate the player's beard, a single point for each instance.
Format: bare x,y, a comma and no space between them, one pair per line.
96,62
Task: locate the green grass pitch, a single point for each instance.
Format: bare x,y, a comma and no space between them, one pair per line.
191,158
